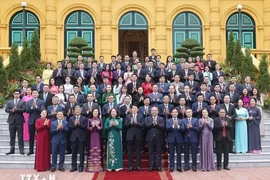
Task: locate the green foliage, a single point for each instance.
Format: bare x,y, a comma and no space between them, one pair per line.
247,68
263,82
14,65
11,88
35,46
26,56
190,47
238,58
230,48
2,100
78,46
3,76
266,103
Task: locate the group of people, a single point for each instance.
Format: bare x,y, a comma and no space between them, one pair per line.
109,109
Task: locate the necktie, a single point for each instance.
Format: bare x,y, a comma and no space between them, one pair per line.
212,108
155,120
16,102
119,73
200,105
175,122
183,111
134,119
146,109
54,108
189,120
90,106
224,130
81,72
45,97
155,96
111,105
191,83
231,95
38,86
150,70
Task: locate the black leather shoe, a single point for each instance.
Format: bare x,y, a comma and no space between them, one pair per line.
194,169
187,169
53,169
139,169
218,168
179,170
29,153
10,152
159,169
227,168
150,169
62,169
130,169
21,152
171,169
73,169
80,169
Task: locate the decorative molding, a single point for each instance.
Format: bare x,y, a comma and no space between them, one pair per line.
160,23
106,51
51,22
266,38
214,23
160,37
260,27
160,9
3,25
215,51
50,36
215,37
266,10
105,37
50,51
106,22
50,8
214,10
106,9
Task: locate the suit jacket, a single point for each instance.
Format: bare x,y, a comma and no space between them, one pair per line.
77,74
101,66
198,76
105,109
86,109
34,87
218,129
140,75
183,74
124,65
122,111
155,130
195,106
164,89
130,88
77,131
143,111
171,75
235,97
159,98
215,76
213,113
34,113
230,112
190,100
221,97
59,79
17,116
80,99
51,116
69,111
162,110
250,88
174,133
192,133
174,99
48,101
58,136
115,74
195,86
134,130
152,74
210,64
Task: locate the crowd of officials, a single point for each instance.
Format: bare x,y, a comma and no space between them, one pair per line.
109,109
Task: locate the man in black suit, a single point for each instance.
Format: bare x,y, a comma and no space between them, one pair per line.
198,76
248,86
134,124
210,63
190,98
133,86
79,97
96,96
231,114
194,85
46,96
153,56
81,73
213,108
59,74
233,94
222,128
69,72
25,85
77,125
185,72
34,108
182,108
15,109
88,107
219,96
139,73
155,138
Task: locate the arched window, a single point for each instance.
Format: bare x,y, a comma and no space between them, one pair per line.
245,26
186,25
17,22
79,24
133,20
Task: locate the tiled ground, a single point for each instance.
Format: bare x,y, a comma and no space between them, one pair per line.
234,174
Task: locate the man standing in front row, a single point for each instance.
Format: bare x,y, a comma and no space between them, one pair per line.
155,138
58,139
223,138
15,109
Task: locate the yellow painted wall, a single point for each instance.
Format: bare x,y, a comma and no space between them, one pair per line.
159,13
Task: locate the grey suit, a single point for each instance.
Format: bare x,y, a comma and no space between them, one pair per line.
15,121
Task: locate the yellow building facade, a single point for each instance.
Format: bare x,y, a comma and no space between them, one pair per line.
159,32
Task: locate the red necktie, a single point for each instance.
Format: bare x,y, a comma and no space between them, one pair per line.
224,130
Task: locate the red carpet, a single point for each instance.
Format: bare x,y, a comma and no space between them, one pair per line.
134,175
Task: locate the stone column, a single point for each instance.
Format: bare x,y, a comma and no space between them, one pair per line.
50,32
105,33
266,22
215,36
160,32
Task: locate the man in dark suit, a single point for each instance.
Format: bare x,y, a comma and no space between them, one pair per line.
96,96
133,86
59,128
46,96
219,96
77,126
59,74
231,114
203,90
191,140
79,97
194,85
198,76
134,137
150,70
213,109
25,85
106,108
210,63
238,87
69,72
174,98
140,73
156,97
222,128
182,108
34,108
198,106
185,72
88,107
190,98
216,74
38,85
233,95
163,87
165,109
117,73
125,63
155,138
69,112
175,128
54,108
15,109
248,86
153,56
101,65
81,73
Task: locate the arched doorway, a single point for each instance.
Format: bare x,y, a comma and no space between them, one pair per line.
133,34
247,26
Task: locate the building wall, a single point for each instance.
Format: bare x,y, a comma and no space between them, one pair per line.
159,14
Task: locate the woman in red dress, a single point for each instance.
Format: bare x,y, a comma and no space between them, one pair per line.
107,73
42,160
147,85
200,63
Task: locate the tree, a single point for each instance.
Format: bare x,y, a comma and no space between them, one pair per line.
78,46
247,68
190,47
14,65
263,82
35,45
237,58
3,76
26,56
230,48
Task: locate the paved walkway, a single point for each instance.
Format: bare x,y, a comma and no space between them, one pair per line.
234,174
